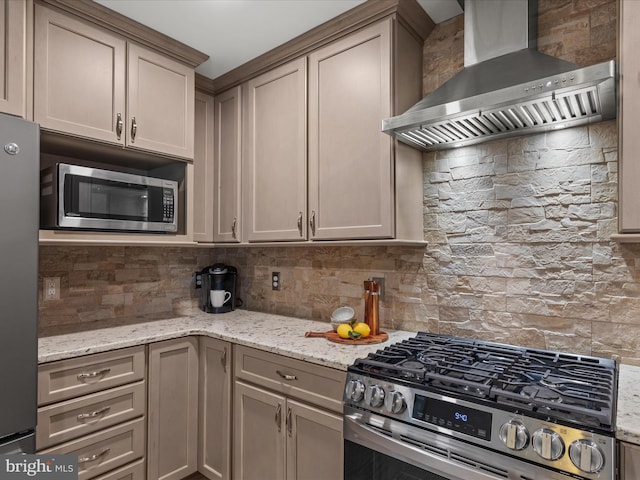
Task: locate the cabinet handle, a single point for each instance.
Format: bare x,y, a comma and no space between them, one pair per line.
94,374
300,223
134,129
223,360
286,376
95,413
94,457
119,126
289,422
233,227
312,222
279,417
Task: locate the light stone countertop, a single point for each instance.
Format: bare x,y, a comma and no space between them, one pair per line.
284,336
272,333
628,419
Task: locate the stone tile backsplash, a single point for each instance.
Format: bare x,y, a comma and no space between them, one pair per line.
518,237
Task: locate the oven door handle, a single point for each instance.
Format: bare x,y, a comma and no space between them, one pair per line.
357,431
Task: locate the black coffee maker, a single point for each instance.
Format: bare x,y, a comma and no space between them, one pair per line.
218,288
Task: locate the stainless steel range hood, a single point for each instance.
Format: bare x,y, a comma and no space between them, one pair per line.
507,87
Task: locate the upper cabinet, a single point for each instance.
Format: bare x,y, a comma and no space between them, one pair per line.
203,168
79,73
351,191
275,154
628,119
160,103
315,164
93,83
227,156
13,57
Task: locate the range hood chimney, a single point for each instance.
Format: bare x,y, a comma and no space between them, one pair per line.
507,87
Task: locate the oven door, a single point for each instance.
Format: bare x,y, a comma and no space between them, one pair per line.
378,448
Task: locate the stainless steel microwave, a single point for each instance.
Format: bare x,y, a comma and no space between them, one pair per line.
77,197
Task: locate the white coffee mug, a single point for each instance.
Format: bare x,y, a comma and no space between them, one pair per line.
219,297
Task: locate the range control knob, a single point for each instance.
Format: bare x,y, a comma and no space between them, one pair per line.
374,396
394,402
548,444
586,455
354,390
514,435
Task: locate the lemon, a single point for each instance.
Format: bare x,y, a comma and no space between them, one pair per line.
343,330
362,328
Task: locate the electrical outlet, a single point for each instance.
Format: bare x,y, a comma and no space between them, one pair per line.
51,288
275,280
380,281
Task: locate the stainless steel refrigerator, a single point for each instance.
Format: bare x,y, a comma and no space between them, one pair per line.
19,222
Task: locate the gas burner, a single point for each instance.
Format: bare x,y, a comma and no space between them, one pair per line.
542,393
480,372
413,364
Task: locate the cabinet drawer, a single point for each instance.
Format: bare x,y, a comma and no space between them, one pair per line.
133,471
64,421
108,449
320,385
78,376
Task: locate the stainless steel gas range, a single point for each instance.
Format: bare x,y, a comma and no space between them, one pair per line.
437,407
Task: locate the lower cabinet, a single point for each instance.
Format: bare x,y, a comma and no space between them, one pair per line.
94,407
629,461
287,418
214,445
201,404
103,451
279,438
172,434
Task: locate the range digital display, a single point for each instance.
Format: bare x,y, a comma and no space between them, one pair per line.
452,416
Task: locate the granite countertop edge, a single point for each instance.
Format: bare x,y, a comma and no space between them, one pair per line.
284,336
268,332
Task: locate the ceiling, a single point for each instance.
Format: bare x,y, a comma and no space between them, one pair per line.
233,32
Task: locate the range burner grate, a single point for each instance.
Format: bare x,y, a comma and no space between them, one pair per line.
576,388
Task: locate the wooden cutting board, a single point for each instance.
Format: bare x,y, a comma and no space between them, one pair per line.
334,337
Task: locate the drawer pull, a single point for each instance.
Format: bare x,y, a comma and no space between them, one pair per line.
94,414
94,374
286,376
93,457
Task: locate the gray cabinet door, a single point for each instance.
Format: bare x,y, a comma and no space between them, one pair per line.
13,57
629,117
79,77
214,458
203,169
172,436
160,103
259,429
350,159
227,166
314,443
275,154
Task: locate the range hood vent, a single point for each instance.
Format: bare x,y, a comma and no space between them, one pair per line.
501,94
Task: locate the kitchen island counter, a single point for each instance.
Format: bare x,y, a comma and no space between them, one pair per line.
272,333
